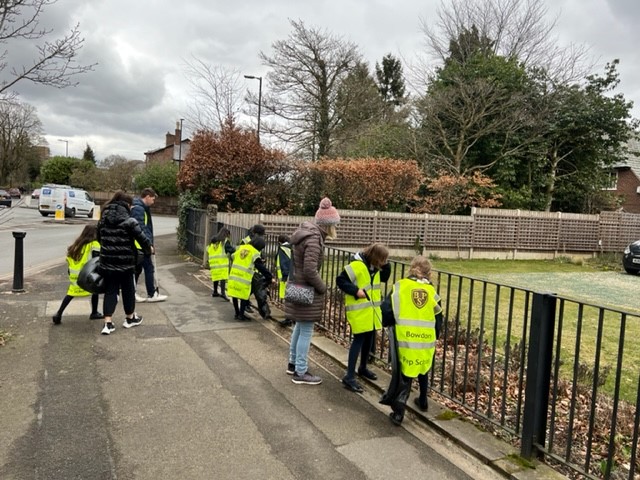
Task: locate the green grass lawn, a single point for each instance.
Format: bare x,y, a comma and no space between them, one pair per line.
481,268
486,306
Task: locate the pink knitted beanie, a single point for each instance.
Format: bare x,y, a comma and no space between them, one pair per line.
327,213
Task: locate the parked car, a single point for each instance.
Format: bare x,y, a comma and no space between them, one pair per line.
631,258
35,193
15,192
5,198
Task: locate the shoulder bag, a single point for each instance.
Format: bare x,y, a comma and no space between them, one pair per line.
297,293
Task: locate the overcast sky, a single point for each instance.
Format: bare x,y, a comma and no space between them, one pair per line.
137,91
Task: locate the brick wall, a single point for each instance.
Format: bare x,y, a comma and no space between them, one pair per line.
627,186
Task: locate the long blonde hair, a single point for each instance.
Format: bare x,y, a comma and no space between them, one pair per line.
420,268
330,230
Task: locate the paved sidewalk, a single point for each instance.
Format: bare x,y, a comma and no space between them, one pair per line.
193,394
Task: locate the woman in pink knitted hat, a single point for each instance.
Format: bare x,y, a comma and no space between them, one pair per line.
307,248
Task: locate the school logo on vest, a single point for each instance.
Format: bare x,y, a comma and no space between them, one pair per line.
419,297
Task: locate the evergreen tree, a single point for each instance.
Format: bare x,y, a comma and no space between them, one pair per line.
89,155
390,80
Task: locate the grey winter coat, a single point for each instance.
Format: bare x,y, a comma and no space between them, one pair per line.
307,247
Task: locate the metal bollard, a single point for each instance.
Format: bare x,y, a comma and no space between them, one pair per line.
18,262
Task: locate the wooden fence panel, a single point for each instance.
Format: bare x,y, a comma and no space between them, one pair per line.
495,232
399,229
538,231
579,233
485,228
448,231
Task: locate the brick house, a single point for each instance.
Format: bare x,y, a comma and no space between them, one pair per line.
175,149
625,179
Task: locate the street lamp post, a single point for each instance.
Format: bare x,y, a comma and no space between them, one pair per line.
252,77
180,146
67,145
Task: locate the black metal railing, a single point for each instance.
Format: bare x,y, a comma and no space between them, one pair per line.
558,377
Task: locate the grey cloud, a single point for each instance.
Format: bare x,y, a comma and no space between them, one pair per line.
137,91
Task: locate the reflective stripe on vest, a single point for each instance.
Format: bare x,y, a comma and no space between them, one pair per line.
363,314
75,266
135,241
281,287
241,273
414,306
218,261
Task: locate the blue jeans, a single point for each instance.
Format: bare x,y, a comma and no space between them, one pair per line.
300,343
149,272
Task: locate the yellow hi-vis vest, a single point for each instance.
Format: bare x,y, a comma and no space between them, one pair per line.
239,285
415,306
75,266
282,284
363,314
136,241
218,261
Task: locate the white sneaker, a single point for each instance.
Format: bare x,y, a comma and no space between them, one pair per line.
140,299
132,322
157,298
108,328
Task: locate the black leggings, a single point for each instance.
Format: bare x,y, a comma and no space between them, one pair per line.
67,300
119,282
361,345
239,309
402,396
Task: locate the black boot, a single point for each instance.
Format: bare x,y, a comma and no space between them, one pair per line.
57,318
223,292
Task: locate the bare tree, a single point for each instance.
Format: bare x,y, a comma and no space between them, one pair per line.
216,93
455,119
54,63
518,29
306,71
20,131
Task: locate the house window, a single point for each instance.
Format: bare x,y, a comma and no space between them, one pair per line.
611,180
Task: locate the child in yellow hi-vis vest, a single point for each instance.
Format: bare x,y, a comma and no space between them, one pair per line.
80,252
246,260
413,314
219,254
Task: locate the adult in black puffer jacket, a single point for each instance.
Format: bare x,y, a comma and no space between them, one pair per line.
117,233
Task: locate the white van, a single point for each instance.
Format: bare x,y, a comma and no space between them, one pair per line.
75,201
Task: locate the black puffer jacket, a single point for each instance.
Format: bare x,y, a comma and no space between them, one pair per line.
117,231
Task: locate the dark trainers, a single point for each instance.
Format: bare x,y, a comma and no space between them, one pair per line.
132,322
291,369
96,316
215,294
306,379
352,385
285,323
396,418
366,373
422,408
108,328
242,318
57,319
